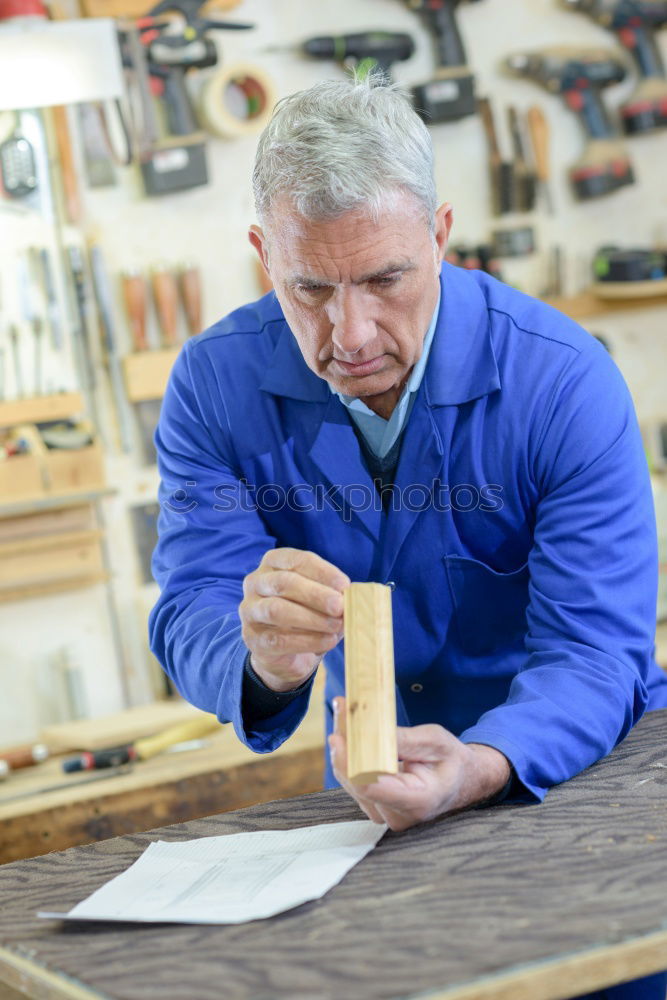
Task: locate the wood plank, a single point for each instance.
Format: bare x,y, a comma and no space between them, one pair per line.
50,564
147,373
522,902
370,683
43,543
40,409
117,727
54,587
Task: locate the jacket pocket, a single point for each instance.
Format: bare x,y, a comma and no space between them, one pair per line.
489,607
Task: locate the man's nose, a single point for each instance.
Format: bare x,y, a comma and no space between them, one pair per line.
353,326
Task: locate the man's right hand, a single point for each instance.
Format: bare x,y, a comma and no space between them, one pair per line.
291,615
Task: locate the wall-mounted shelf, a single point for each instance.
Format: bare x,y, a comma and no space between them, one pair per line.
59,501
52,587
41,409
147,373
588,305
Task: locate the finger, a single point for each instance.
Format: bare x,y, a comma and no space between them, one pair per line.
338,752
279,613
300,589
308,564
340,717
263,639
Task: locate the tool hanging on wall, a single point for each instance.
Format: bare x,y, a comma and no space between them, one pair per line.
44,270
190,286
579,76
176,161
635,23
538,130
79,312
18,167
165,295
31,317
98,163
450,95
67,166
366,50
111,356
236,100
525,181
135,299
502,171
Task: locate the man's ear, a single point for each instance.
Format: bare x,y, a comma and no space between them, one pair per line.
444,219
258,240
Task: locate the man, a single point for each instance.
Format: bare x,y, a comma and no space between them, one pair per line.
384,416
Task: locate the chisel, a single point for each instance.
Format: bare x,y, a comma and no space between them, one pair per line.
189,280
502,172
82,353
524,179
165,294
539,137
135,298
103,297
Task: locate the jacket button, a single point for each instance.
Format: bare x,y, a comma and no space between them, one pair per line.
417,688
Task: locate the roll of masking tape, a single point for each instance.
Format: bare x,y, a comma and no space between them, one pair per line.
236,100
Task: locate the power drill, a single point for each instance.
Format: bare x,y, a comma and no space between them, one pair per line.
635,23
451,93
580,75
367,50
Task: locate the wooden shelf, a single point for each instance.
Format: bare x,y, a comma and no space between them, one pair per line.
588,305
34,505
147,373
52,587
41,409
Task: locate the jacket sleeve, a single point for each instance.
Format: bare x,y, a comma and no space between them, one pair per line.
210,537
593,585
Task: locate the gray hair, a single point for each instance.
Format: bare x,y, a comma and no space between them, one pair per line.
341,145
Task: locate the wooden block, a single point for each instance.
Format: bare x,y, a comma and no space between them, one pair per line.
147,373
369,683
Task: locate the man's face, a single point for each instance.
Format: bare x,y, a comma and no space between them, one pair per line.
358,295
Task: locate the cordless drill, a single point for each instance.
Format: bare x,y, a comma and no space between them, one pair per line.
635,22
450,95
579,76
368,50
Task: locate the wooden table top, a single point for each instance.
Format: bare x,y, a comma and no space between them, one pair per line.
510,903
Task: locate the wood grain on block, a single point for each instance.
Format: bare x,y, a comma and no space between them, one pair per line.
369,683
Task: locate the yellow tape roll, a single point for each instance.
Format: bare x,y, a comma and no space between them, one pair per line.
236,100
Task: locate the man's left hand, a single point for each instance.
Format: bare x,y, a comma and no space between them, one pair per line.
438,774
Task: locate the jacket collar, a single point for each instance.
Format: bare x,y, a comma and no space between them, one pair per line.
461,366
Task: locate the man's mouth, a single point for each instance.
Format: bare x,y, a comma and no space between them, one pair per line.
364,368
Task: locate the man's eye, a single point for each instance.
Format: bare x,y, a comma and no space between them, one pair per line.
385,280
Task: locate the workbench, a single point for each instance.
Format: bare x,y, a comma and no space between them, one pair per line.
168,788
506,903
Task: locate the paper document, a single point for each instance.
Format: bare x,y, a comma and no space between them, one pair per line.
228,880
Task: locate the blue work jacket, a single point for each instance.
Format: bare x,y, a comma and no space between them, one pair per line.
522,545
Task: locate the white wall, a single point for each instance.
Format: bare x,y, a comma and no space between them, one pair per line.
209,226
